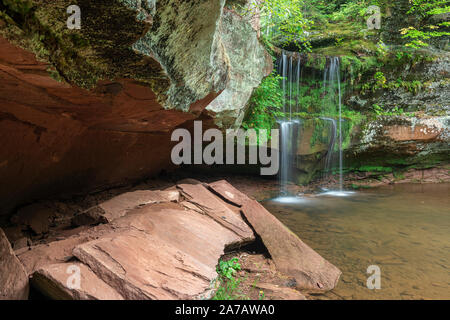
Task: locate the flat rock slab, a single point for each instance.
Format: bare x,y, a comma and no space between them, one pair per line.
166,245
119,206
229,193
72,281
159,252
152,247
280,293
13,277
199,196
291,255
55,252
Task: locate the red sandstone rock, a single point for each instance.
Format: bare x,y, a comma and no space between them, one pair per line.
13,278
170,249
153,248
54,280
291,255
119,206
159,252
205,201
280,293
41,255
64,139
228,192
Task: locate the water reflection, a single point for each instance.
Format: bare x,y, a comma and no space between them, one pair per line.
404,229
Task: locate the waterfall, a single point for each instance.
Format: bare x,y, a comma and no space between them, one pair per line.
298,83
332,90
282,70
289,67
289,126
328,163
288,153
291,85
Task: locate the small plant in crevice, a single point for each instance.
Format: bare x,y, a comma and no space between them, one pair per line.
228,268
228,284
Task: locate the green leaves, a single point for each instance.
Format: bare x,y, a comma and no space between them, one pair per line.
227,269
282,22
22,7
265,104
418,36
228,289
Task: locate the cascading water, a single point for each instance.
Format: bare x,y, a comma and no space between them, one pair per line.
288,150
329,159
332,88
289,126
289,67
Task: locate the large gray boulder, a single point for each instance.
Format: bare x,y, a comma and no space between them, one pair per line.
243,52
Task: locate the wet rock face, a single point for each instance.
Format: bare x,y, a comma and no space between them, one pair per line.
401,141
375,144
92,108
432,94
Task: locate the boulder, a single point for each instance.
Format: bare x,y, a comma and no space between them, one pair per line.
36,217
291,255
56,283
13,277
240,40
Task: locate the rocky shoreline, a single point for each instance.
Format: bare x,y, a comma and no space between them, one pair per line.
160,244
90,233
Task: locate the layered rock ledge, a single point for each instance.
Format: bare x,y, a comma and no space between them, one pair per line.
166,245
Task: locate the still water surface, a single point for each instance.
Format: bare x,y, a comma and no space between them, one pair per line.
403,229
